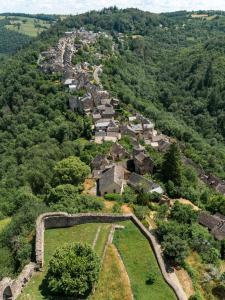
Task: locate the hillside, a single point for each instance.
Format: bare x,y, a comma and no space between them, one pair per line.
167,69
17,30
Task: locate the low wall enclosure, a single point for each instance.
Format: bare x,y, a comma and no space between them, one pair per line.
10,289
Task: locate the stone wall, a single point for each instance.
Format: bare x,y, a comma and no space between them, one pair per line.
58,220
12,288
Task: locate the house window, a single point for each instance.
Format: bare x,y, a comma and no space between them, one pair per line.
114,191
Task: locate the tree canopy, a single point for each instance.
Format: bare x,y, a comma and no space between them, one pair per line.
73,270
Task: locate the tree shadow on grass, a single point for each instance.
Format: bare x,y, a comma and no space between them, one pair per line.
46,293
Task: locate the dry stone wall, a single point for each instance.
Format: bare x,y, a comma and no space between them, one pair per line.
61,219
11,289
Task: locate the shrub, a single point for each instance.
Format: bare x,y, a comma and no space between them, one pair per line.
145,223
78,203
140,211
73,270
129,195
113,197
151,278
116,208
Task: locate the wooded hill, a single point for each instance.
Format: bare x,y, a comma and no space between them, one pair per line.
17,30
169,66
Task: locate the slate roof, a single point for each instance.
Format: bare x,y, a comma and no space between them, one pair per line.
137,181
115,174
137,127
109,110
141,157
215,223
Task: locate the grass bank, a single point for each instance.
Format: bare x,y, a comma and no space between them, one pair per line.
140,261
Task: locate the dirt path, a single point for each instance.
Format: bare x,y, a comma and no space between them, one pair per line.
126,209
96,237
186,201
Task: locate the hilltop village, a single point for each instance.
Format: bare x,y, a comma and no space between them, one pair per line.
112,172
119,168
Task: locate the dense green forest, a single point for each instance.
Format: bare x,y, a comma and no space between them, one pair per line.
168,66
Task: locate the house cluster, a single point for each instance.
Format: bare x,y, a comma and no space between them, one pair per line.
141,127
215,223
58,58
117,169
114,171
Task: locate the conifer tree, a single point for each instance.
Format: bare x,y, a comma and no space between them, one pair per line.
171,168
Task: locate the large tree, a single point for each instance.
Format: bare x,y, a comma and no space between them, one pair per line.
70,170
73,270
171,167
175,249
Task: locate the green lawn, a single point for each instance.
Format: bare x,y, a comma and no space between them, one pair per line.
136,253
4,223
113,283
28,26
139,260
58,237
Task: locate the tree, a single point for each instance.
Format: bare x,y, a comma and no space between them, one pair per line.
78,203
175,249
73,270
183,213
203,242
70,170
62,193
171,167
129,195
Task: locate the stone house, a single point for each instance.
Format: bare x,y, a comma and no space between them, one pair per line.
106,102
86,103
115,102
143,164
163,145
138,183
99,162
96,117
127,130
137,128
111,181
138,149
102,124
215,223
118,152
108,112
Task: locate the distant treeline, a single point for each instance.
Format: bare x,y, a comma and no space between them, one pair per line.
36,16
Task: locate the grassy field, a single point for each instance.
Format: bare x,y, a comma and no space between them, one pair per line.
28,26
4,223
113,283
58,237
139,260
